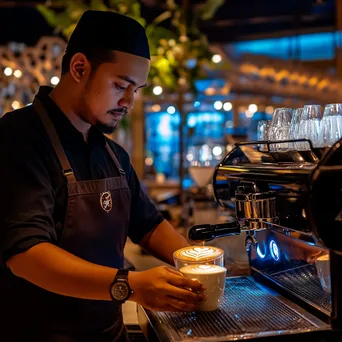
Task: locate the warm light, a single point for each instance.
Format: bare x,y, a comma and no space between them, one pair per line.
54,80
216,59
217,150
15,104
269,110
227,106
156,108
8,71
218,105
149,161
253,108
171,110
210,91
17,73
157,90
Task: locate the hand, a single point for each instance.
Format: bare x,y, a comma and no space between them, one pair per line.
163,289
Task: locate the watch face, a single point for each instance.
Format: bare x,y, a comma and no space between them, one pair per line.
120,291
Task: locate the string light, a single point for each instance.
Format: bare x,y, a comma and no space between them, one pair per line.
54,80
15,104
218,105
8,71
171,110
17,73
157,90
216,58
227,106
253,108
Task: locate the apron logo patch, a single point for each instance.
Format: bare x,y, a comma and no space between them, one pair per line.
106,201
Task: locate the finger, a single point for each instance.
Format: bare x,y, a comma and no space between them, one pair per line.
183,294
182,281
174,272
180,305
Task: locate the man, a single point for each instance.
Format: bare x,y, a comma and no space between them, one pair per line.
70,198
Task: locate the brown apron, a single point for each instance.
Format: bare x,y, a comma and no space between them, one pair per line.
95,229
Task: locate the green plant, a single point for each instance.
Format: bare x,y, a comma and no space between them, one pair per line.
180,52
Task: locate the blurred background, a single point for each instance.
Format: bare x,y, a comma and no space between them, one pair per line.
218,68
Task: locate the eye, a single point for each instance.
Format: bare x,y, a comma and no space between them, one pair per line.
117,86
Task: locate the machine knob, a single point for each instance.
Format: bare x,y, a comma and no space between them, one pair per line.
250,241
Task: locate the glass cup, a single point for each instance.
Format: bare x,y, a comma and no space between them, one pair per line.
195,255
310,126
323,271
294,128
262,133
280,128
331,125
213,278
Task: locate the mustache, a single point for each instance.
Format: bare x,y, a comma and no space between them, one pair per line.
122,111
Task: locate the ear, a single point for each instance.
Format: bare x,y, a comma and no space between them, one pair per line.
79,67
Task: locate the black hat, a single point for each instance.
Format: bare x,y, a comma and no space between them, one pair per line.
104,30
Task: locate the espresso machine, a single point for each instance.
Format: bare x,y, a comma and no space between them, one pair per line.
288,205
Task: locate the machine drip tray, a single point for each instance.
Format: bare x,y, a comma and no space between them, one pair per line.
248,310
303,282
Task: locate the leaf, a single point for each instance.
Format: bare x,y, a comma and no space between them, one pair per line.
135,9
162,17
98,5
209,9
48,14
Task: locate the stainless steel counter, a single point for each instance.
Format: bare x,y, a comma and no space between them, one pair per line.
249,310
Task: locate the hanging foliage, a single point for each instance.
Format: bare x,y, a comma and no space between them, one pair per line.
180,52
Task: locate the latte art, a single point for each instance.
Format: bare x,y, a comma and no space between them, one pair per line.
199,253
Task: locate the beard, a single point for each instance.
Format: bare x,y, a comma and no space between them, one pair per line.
106,128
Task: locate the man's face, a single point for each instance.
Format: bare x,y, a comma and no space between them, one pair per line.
110,90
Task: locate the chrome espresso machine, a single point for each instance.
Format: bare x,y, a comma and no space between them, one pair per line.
289,206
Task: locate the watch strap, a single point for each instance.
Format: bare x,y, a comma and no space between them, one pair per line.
121,274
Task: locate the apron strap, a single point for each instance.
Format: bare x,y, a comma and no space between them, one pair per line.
115,159
56,143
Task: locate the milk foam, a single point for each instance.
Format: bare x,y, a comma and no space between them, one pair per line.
324,258
198,253
202,269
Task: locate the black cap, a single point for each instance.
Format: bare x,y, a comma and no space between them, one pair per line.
108,30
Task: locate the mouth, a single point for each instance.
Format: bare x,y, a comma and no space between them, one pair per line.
116,115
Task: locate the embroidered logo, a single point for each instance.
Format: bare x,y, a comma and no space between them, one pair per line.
106,201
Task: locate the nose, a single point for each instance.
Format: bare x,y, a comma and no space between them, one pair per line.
127,99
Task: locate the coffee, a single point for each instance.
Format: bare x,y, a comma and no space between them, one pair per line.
323,271
198,255
213,279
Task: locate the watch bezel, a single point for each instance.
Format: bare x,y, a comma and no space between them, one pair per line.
120,279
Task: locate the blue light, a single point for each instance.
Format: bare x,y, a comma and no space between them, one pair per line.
274,249
197,104
260,253
313,46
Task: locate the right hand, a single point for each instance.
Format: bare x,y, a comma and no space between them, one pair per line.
163,289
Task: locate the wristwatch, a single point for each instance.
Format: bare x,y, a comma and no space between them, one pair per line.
120,290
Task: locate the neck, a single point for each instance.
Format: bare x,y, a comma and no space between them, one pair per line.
62,96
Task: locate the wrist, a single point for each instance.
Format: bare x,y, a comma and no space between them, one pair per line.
133,284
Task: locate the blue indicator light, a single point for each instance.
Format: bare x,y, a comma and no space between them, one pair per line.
274,249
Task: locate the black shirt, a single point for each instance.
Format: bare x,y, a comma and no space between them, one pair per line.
33,191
